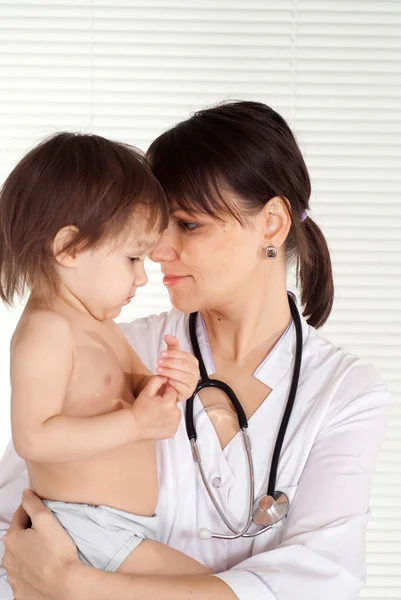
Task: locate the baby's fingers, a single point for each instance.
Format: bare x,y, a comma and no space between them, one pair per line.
172,342
184,377
183,392
179,354
179,364
170,394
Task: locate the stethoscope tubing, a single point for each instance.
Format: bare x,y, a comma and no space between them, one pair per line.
291,398
205,382
237,533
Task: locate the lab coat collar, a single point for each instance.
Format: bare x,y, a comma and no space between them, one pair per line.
276,364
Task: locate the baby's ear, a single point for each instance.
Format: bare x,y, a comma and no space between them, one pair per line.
61,240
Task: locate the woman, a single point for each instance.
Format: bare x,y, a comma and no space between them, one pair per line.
239,193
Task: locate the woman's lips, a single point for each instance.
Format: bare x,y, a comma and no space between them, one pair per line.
170,280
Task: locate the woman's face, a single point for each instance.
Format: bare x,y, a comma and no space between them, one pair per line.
208,264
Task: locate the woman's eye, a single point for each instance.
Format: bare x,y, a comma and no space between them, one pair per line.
187,226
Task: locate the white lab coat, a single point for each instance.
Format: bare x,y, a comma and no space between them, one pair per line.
326,468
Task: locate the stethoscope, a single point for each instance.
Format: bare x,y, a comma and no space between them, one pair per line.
274,506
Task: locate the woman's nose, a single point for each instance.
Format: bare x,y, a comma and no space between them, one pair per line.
165,249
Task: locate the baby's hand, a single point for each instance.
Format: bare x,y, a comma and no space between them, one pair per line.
155,410
181,368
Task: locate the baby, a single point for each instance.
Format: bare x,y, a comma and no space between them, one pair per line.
78,216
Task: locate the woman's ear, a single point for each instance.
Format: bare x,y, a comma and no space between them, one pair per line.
277,221
61,239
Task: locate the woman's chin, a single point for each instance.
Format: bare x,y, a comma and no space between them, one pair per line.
184,303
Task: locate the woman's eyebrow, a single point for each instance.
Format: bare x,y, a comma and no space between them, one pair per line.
189,213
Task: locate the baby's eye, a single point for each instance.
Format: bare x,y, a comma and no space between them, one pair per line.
187,226
134,259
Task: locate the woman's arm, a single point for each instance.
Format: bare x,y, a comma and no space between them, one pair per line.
42,564
92,583
322,553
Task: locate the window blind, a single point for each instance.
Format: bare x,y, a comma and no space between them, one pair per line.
128,69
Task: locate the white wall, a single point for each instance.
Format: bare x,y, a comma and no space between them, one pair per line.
128,69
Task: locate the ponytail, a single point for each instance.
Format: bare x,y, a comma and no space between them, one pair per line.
314,273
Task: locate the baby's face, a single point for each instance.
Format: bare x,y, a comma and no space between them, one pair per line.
106,277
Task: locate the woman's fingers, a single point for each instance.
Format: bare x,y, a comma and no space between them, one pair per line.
20,520
36,558
34,508
43,520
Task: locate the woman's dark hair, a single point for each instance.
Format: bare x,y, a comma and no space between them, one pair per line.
248,149
82,180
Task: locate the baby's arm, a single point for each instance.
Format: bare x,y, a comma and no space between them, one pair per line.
41,367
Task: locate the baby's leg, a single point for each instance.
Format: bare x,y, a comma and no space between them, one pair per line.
154,558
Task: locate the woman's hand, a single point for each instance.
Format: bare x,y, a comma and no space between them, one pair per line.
37,559
42,564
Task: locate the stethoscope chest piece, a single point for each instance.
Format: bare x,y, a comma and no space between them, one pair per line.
270,510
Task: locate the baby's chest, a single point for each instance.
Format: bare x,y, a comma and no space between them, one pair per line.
101,374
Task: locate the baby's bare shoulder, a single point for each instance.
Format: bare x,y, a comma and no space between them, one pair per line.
41,326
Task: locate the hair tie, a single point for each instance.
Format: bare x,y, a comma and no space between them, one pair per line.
304,215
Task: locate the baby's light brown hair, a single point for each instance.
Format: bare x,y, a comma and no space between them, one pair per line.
83,180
